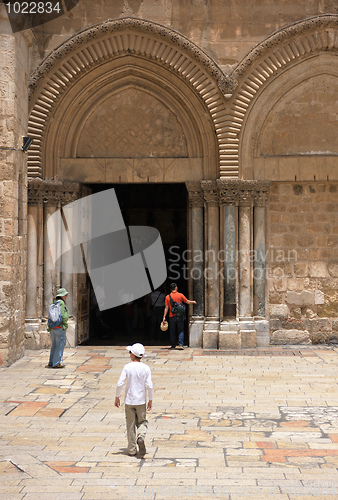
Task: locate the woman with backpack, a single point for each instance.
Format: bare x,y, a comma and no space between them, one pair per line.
57,325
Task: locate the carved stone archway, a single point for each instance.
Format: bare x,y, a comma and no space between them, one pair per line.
99,47
281,51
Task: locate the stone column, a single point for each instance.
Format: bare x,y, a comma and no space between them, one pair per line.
244,262
196,264
259,270
229,337
50,245
259,262
228,193
246,322
32,259
211,327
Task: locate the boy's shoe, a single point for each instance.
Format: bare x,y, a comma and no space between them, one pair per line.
141,446
132,454
180,347
59,366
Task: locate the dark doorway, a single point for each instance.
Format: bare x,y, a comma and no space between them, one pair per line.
163,206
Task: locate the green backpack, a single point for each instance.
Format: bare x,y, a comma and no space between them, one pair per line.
177,308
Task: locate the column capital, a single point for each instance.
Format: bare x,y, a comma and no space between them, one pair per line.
261,197
51,193
243,192
210,191
195,192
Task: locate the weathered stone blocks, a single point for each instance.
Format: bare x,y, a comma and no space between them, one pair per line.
229,340
279,311
292,337
210,339
301,299
248,338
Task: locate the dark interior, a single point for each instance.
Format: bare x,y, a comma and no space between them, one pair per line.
163,206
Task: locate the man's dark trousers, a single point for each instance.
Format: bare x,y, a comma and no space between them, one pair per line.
176,326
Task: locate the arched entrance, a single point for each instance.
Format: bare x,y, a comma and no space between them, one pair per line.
121,104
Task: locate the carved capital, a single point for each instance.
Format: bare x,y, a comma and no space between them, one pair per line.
52,193
228,191
239,192
261,196
210,191
196,195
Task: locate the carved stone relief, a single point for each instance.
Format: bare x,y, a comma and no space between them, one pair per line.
132,124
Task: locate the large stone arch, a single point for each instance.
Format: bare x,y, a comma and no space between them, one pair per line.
265,70
122,49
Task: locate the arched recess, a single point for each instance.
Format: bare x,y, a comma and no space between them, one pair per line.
106,85
290,133
262,68
115,53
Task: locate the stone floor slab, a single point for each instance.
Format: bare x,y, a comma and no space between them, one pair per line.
260,423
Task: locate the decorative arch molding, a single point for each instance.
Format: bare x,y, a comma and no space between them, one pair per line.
113,39
269,59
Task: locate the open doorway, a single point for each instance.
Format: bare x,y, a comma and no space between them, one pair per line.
164,207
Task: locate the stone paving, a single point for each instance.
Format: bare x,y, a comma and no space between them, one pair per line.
259,423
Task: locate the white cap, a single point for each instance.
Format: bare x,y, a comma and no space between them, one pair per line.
136,349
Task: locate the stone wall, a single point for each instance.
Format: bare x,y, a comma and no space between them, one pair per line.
303,262
225,30
13,189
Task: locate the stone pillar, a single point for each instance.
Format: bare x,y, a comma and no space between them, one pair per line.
32,260
246,322
244,229
228,199
196,264
259,262
49,274
211,327
259,270
229,337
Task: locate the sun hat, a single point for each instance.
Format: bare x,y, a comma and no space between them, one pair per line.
164,326
136,349
61,292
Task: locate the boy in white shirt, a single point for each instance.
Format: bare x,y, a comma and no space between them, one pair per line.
138,377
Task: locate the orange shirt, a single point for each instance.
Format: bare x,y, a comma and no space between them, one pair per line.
177,297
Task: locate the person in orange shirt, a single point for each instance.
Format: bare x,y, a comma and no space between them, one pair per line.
176,317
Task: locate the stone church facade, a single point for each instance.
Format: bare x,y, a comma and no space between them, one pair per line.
237,101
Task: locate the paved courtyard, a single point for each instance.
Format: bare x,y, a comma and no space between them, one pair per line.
256,424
